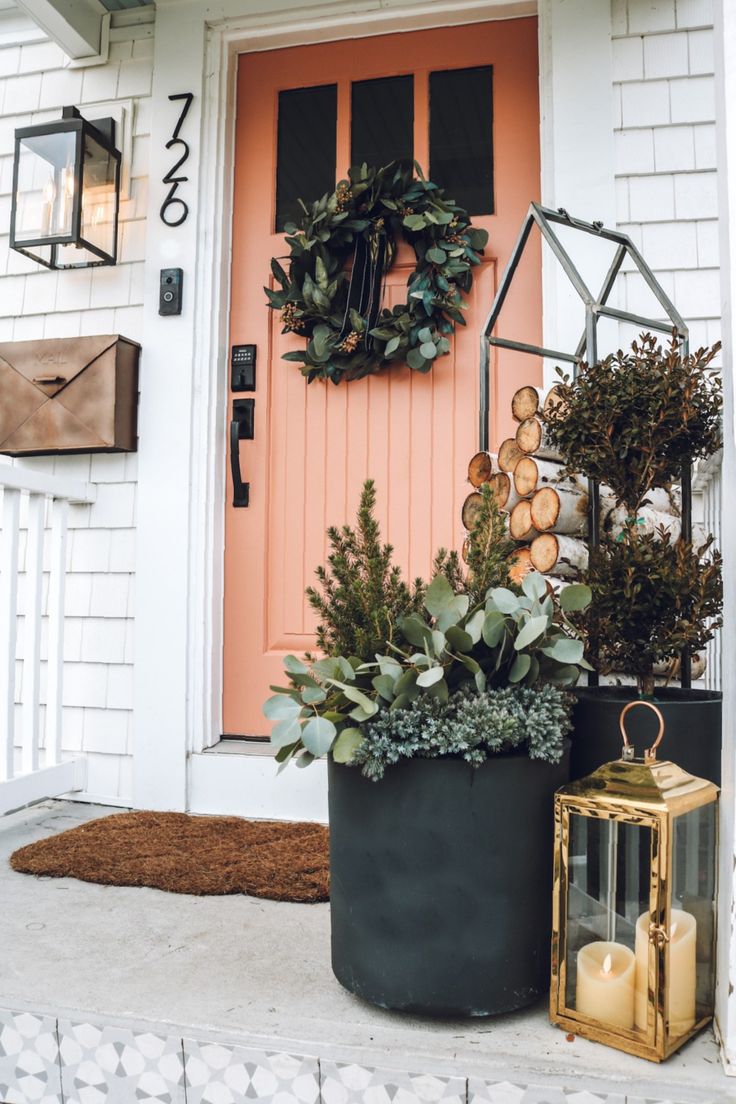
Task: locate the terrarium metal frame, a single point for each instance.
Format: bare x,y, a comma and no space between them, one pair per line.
587,348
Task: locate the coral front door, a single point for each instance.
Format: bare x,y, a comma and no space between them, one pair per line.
463,103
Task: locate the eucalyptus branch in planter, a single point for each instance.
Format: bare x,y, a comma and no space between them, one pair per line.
508,640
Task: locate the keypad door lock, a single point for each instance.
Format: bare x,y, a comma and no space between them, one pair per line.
243,368
170,292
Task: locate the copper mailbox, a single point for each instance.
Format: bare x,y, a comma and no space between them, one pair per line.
69,394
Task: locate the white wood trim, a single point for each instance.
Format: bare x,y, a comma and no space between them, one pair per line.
41,482
725,67
8,628
55,665
52,781
74,25
30,715
577,145
229,784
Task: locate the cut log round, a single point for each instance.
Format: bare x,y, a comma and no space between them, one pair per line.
480,468
520,564
647,521
533,438
509,455
531,473
554,554
500,484
553,399
559,510
525,403
520,521
471,509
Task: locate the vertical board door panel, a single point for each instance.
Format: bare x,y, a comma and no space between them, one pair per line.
413,434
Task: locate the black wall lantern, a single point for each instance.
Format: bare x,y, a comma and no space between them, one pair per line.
66,192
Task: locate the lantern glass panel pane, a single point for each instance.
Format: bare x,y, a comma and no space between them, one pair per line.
691,976
99,196
46,186
609,878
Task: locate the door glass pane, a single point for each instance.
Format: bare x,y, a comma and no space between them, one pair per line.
692,920
461,136
307,135
607,958
382,127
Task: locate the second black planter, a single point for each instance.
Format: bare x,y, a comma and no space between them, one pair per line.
692,737
441,878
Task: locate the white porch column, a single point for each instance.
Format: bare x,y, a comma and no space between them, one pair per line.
725,45
164,572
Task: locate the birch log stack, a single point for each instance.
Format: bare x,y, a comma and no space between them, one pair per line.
548,511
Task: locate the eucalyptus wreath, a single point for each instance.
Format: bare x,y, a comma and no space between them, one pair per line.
337,307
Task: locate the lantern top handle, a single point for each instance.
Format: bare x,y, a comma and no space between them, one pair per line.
629,751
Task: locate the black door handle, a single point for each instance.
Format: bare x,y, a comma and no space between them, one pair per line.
241,429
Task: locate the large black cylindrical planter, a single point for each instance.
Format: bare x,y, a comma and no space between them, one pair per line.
692,736
441,879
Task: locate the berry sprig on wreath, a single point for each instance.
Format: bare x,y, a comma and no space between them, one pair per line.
337,307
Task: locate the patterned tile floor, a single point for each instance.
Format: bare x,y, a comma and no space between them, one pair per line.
159,999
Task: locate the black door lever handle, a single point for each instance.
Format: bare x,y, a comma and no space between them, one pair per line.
241,429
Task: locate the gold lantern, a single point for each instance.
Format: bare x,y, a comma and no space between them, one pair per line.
633,945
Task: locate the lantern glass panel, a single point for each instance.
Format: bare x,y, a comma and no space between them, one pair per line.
609,879
692,920
45,188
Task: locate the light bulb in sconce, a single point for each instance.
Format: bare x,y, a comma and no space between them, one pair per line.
49,197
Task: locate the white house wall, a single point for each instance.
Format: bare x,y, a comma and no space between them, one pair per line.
665,153
98,648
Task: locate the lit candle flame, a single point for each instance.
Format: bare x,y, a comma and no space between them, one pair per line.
607,965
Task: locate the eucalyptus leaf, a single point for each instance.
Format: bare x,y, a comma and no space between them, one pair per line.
281,707
430,677
439,597
534,585
533,630
317,736
575,597
346,744
286,732
520,667
504,600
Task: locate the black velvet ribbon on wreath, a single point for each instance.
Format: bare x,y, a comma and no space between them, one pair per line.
371,263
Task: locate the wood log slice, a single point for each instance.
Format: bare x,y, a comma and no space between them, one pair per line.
520,521
559,510
531,473
471,508
520,564
500,484
533,439
556,554
664,501
509,455
480,468
553,399
524,403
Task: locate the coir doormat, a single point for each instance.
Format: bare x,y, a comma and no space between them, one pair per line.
189,854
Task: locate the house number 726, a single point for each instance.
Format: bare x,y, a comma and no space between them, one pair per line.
174,210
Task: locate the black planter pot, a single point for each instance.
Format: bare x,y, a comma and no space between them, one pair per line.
692,737
441,879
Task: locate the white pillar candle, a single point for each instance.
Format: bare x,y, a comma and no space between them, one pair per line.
605,986
680,1009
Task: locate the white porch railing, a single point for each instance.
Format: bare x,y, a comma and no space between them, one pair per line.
34,780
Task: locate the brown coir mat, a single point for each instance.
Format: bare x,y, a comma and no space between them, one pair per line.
189,854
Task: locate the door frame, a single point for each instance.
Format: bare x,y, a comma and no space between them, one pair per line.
178,663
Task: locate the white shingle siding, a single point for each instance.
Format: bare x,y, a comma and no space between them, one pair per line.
35,84
664,133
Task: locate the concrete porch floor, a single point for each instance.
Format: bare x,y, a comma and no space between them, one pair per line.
257,973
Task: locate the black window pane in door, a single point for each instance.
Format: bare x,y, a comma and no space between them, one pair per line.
461,136
307,135
382,127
